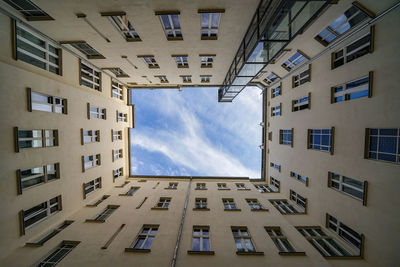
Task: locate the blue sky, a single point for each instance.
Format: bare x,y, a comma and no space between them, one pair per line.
189,133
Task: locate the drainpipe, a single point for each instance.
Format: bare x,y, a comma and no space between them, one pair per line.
178,240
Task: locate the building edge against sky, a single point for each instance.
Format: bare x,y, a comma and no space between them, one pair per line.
331,168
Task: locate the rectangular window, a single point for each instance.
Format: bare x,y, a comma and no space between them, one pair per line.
277,91
283,206
163,78
122,117
51,234
102,216
348,186
254,204
209,23
286,137
171,25
383,144
181,61
294,60
118,173
241,186
206,61
349,235
272,77
243,240
116,89
163,203
91,186
47,103
144,239
201,239
299,200
280,241
299,177
34,50
275,166
96,112
276,111
342,24
201,186
222,186
89,77
116,135
35,176
264,188
355,49
85,49
35,138
29,10
229,204
123,25
301,78
90,136
321,139
90,162
205,78
201,203
352,90
274,182
39,213
130,191
97,202
186,78
172,186
57,254
325,244
150,61
117,154
301,103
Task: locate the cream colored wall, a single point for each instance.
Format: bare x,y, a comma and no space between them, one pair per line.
379,220
16,76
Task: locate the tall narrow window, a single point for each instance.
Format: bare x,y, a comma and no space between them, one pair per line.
171,25
301,103
299,200
117,154
35,138
301,78
35,176
276,111
150,61
123,25
118,173
122,117
281,242
348,186
89,77
294,60
275,183
47,103
34,50
90,136
102,216
181,61
229,204
57,254
116,89
206,61
276,91
210,20
201,240
349,235
352,90
30,11
96,112
243,241
144,239
116,135
49,235
383,144
321,139
91,186
286,137
91,161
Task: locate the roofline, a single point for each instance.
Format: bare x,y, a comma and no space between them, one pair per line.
189,177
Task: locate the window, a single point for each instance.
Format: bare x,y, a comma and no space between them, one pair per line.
271,78
356,49
301,103
243,240
90,136
277,91
117,89
49,235
130,191
207,61
301,78
39,213
117,154
324,243
349,235
229,204
118,173
294,60
90,161
283,206
116,135
150,61
85,49
89,77
201,186
201,203
123,25
270,136
286,137
91,186
35,176
299,200
254,204
29,10
209,23
222,186
172,186
352,90
348,186
280,241
96,112
205,78
163,203
102,216
321,139
201,240
344,23
97,202
170,23
241,186
34,50
264,188
42,102
163,78
122,117
35,138
383,144
181,61
186,78
274,182
299,177
275,166
276,111
144,239
57,254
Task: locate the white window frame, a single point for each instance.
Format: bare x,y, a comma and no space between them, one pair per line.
206,61
91,161
91,186
51,103
243,237
144,235
206,30
48,138
122,117
339,228
62,250
341,184
280,240
124,27
45,171
118,173
93,75
90,136
299,177
284,207
303,77
203,234
345,92
117,154
229,204
163,202
176,32
264,188
116,135
298,199
200,203
181,61
98,113
117,90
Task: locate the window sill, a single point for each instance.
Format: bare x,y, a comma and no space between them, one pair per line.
159,208
200,189
170,188
125,195
34,245
137,250
296,253
226,189
95,221
201,209
232,209
357,257
209,37
256,210
244,189
255,253
175,38
196,252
